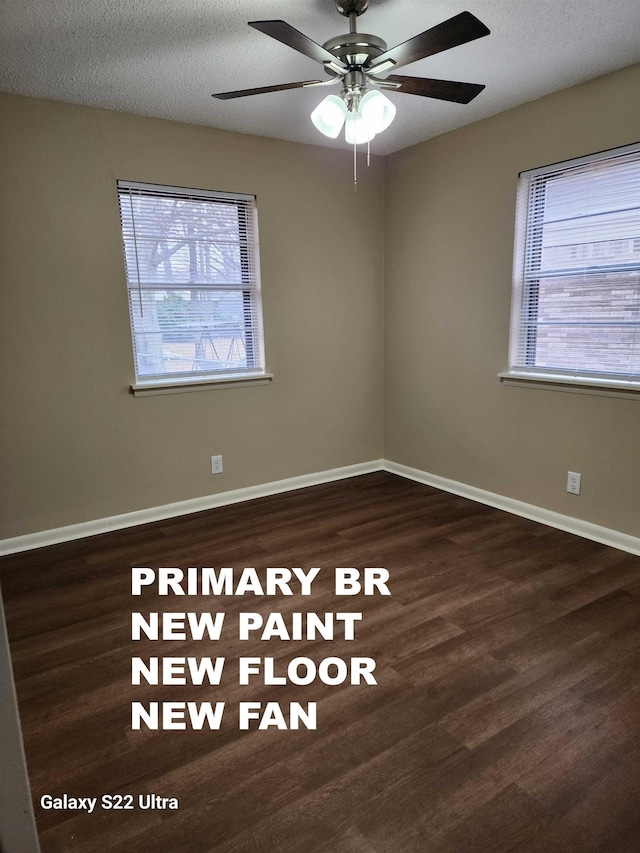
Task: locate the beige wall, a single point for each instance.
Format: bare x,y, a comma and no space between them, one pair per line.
449,239
75,444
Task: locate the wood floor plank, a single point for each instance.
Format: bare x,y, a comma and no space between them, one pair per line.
606,812
499,826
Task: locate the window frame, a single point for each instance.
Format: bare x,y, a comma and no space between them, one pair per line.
522,334
249,287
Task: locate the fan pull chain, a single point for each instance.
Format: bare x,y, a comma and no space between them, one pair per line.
355,170
368,152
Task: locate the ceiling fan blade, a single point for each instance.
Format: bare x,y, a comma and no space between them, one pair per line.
460,29
285,33
262,90
444,90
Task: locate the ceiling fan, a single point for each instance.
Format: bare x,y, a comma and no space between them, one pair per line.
356,60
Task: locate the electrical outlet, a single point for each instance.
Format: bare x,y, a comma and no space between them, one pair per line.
216,464
573,482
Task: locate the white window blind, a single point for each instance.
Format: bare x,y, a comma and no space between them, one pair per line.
192,270
576,300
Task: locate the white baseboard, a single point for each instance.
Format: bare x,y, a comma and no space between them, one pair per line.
586,529
604,535
172,510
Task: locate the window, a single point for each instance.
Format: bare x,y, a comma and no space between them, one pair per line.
576,299
192,269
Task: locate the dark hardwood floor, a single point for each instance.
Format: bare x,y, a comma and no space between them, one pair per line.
506,715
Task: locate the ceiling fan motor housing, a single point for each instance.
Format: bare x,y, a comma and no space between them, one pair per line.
356,49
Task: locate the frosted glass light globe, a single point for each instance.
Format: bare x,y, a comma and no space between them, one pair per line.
329,116
357,130
377,110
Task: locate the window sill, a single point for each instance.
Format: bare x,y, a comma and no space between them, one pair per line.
180,386
573,385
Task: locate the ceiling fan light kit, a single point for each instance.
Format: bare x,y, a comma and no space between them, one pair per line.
361,116
355,60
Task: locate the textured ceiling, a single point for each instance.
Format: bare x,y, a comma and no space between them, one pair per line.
165,57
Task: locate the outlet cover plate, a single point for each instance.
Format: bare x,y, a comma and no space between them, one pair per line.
573,482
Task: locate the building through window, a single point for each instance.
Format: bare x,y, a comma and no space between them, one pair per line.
576,301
